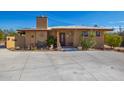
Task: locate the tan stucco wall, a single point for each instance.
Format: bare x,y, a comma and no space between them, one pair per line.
20,42
37,36
100,41
76,39
52,33
41,36
10,42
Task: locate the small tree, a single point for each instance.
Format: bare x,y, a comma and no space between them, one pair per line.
113,40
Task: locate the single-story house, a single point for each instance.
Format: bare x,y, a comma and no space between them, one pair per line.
66,36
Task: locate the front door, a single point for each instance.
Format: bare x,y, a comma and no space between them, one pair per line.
62,39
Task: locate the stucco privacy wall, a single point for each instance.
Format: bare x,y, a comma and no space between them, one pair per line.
32,37
20,41
10,42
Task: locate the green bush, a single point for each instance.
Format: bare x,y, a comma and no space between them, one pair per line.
51,41
89,42
113,40
1,35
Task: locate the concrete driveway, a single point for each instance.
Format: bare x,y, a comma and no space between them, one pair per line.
61,66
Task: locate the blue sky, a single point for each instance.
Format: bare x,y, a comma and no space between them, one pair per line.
21,19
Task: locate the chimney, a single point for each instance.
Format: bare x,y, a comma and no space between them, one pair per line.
41,22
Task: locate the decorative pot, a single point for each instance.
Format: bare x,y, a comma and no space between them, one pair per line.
51,47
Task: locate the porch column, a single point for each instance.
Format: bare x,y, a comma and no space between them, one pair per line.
58,41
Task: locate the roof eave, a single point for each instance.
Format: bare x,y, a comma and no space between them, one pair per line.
82,29
21,30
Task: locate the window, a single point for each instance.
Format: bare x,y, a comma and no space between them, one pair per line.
85,34
98,34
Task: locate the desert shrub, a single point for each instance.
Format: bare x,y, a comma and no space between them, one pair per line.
113,40
89,42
